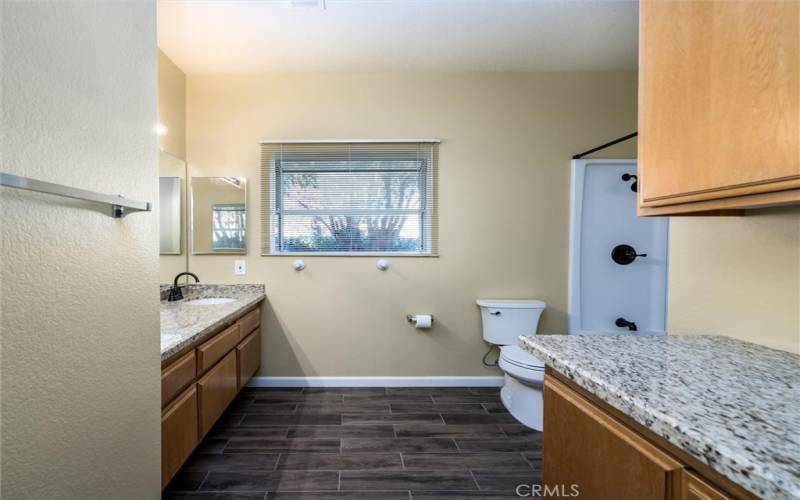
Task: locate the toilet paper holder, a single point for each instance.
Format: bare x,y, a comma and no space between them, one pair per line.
411,318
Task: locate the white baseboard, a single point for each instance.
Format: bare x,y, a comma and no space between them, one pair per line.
376,382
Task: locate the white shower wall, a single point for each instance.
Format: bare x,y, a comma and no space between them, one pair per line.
604,216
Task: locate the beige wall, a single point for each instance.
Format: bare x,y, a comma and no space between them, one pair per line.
172,106
737,276
504,211
79,320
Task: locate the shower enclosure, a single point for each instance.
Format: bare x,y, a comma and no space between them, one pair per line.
618,261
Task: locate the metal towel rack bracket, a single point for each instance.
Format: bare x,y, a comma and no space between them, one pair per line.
119,205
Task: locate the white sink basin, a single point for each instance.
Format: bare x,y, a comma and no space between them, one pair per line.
210,301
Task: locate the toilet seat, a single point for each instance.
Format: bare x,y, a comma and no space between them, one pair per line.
517,356
517,363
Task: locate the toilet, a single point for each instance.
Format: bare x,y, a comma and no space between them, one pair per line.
503,323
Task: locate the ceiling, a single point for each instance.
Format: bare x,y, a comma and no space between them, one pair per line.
258,36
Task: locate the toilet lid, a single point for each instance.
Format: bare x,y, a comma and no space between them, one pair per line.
516,355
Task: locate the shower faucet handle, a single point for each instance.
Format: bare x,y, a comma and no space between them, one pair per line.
625,254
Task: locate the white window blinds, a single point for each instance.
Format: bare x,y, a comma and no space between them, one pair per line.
349,198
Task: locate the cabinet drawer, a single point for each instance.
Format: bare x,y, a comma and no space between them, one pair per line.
215,390
695,488
213,350
177,376
248,355
178,433
249,322
584,446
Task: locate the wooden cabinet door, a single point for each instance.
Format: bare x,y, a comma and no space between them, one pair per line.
178,433
215,390
248,354
719,101
586,447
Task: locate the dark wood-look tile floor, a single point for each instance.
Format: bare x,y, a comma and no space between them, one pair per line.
362,443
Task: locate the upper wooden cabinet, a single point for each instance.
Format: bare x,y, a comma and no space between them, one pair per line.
719,105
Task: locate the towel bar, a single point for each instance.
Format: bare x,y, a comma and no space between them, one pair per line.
120,206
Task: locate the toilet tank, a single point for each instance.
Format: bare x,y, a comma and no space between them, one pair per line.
505,320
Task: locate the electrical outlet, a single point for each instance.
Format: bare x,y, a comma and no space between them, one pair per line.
239,267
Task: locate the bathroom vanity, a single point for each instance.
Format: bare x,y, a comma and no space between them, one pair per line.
210,347
676,417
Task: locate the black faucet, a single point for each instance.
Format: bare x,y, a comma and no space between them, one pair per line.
624,323
175,292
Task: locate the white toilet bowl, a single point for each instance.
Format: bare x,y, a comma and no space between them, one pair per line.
522,388
503,322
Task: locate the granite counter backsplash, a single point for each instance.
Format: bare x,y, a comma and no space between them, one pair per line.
733,405
183,324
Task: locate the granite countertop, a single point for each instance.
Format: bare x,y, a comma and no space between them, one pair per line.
733,405
183,325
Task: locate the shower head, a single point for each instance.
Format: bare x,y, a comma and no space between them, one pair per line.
635,185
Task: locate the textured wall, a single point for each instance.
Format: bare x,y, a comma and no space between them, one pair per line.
80,321
737,276
504,206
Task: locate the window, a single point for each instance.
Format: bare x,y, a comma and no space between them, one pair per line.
349,198
228,226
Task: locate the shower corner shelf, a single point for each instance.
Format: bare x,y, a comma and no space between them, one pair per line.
119,206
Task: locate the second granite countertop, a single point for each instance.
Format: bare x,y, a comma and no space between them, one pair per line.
733,405
184,324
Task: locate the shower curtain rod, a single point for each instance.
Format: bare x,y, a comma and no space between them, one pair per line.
598,148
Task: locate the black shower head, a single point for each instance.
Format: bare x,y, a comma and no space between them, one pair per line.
635,185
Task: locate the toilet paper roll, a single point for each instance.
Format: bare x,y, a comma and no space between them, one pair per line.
423,321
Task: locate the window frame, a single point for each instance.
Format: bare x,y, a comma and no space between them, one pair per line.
275,214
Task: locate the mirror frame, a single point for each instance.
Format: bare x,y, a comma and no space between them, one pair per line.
190,229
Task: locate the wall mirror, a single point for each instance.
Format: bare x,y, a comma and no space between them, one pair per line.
218,215
169,203
172,215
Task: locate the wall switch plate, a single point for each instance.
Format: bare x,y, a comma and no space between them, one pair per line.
239,267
